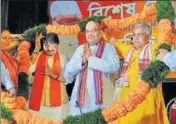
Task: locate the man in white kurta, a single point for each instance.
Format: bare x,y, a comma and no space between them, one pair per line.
85,57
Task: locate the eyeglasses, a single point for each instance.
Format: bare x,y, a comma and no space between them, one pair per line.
92,31
139,35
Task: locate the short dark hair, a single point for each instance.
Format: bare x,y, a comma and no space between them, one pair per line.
4,29
52,38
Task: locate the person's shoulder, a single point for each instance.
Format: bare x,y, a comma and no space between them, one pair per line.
63,56
109,45
80,47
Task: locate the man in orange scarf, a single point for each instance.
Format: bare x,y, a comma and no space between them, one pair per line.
48,95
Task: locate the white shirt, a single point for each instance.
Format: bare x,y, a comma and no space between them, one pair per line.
5,77
109,63
170,60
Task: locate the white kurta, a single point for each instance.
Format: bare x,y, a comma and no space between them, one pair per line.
54,113
109,63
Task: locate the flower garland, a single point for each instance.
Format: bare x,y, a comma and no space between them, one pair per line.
24,57
25,117
166,31
63,29
72,29
148,15
13,103
14,108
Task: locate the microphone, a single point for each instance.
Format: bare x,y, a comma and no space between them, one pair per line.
79,107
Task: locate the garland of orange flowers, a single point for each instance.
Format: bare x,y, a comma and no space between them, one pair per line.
17,105
14,102
24,117
24,57
148,15
63,29
166,32
121,108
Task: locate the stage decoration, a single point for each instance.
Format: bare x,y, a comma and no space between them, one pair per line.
30,34
165,10
14,109
24,57
73,29
151,77
148,15
166,31
63,29
24,117
6,115
12,103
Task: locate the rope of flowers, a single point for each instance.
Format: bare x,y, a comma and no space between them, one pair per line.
14,109
156,11
148,15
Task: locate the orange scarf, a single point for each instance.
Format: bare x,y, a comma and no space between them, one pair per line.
38,84
12,65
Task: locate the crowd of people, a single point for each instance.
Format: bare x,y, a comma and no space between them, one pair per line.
92,66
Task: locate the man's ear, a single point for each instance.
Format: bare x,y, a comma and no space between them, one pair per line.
148,37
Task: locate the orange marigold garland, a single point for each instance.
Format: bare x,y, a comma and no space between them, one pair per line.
63,29
166,31
25,117
14,102
148,15
121,108
24,57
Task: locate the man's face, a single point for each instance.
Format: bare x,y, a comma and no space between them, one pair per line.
50,49
140,38
92,33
